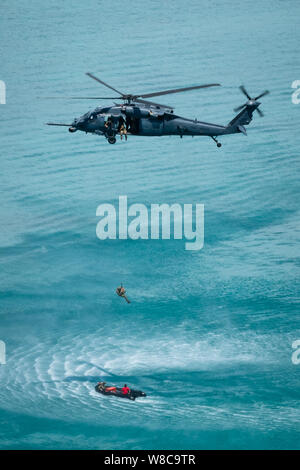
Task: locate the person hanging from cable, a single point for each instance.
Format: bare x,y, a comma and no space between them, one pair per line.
121,292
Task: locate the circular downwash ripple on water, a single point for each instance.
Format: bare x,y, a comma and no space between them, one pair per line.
191,384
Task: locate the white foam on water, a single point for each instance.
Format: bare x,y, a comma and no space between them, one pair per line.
49,380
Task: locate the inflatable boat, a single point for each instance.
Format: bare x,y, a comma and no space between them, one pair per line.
117,392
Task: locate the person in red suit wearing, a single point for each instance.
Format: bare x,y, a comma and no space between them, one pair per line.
125,390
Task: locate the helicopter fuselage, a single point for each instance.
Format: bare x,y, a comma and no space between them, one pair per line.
144,121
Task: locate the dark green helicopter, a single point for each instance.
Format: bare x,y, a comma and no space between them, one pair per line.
137,116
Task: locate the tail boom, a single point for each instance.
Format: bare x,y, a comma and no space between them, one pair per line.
242,119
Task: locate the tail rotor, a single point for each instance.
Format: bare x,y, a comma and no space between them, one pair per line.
251,101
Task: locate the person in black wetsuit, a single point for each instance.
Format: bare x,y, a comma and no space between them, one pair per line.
101,386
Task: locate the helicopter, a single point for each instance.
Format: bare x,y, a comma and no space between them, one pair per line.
138,116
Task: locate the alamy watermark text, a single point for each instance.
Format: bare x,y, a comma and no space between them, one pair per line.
296,353
296,93
2,352
2,92
163,221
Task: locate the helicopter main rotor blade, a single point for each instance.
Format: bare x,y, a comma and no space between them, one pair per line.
103,83
262,94
57,124
176,90
151,103
96,98
243,90
260,112
82,98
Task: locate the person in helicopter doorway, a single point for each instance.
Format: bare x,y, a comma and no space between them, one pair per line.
108,124
122,128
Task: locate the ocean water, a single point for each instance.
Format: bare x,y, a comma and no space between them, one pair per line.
209,333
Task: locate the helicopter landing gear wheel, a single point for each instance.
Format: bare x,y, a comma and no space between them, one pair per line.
218,143
111,140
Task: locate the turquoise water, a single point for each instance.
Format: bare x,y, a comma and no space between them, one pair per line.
209,333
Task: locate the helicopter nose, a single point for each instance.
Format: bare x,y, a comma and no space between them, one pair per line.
73,127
